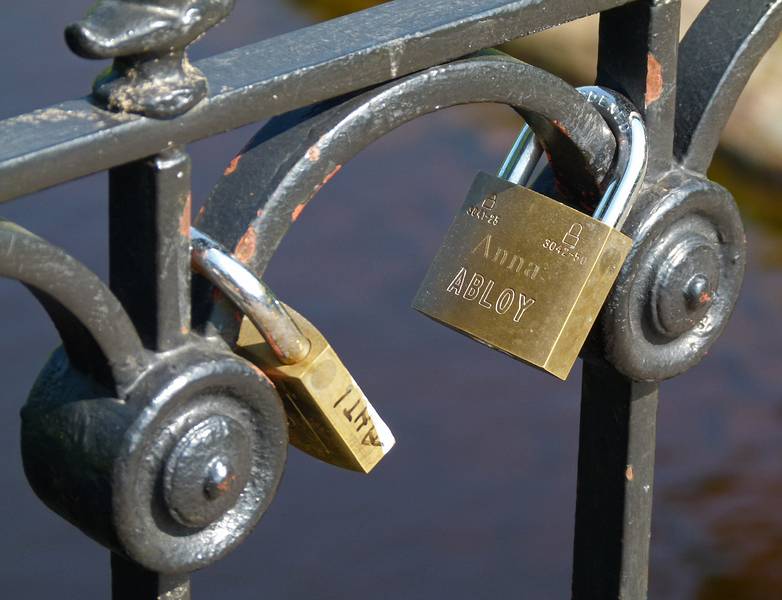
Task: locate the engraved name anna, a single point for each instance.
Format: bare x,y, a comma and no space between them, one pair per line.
481,288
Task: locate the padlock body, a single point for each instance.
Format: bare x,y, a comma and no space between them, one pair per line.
523,274
329,417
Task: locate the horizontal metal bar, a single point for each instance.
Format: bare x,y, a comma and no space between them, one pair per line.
75,138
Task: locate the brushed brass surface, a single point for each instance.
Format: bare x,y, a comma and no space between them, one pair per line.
329,416
523,274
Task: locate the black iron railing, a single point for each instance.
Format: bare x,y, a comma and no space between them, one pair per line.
107,425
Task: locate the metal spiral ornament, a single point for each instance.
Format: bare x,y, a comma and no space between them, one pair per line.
680,282
173,476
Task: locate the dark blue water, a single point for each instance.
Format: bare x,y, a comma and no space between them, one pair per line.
477,498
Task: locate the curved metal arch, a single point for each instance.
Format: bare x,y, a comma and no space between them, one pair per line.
87,315
716,58
290,159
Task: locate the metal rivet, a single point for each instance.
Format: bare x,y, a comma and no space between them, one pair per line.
698,292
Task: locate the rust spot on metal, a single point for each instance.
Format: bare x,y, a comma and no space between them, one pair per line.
184,330
327,178
313,153
297,211
245,249
184,219
227,483
232,165
654,79
629,473
556,123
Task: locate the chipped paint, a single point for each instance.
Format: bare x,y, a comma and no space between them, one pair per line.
227,483
184,218
560,127
395,52
54,115
297,211
327,178
245,249
232,165
313,153
654,79
629,473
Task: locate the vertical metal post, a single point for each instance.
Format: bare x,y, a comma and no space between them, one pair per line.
638,53
615,483
637,56
129,581
149,261
149,254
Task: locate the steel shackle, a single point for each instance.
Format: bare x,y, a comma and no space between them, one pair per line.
251,295
526,158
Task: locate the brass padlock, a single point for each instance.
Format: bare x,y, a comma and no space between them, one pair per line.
329,417
525,274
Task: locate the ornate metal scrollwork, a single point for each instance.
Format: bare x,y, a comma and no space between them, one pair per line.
166,458
167,447
151,74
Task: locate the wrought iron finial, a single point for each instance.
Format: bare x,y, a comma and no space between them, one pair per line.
147,39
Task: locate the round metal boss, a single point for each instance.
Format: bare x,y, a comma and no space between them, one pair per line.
206,471
680,281
199,465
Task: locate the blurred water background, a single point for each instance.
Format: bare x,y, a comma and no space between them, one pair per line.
477,499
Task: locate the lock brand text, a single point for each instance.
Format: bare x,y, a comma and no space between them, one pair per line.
480,288
611,106
500,256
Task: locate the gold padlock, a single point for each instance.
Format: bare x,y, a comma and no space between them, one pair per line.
525,274
329,416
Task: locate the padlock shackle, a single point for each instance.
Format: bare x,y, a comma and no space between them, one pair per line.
251,295
632,151
526,158
615,213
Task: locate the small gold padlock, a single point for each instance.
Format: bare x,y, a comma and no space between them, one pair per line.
525,274
329,416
